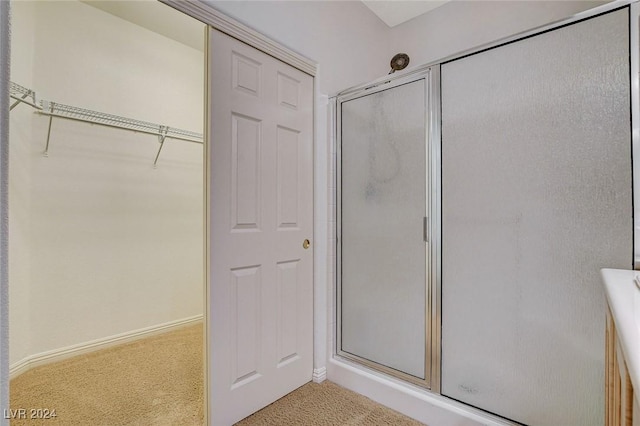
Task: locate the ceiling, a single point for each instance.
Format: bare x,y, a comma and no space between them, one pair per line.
395,12
162,19
156,17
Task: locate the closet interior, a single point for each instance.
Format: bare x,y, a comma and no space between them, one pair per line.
106,207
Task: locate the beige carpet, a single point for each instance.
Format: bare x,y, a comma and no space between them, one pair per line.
326,404
153,381
158,381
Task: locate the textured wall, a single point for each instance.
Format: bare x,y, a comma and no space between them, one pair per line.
462,25
113,244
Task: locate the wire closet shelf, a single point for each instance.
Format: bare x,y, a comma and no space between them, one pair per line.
68,112
55,109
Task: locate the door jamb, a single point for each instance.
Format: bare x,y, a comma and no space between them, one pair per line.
5,58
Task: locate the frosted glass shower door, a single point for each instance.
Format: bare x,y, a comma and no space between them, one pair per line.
382,292
536,198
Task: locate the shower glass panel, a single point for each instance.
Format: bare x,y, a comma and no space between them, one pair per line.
536,198
383,287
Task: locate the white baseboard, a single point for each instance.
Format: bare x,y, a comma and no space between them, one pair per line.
55,355
319,374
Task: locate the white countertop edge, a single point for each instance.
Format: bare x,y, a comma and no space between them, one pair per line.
621,292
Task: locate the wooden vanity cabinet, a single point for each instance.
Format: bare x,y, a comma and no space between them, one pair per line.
621,408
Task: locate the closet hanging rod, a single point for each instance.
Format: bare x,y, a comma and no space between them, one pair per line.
22,94
54,109
68,112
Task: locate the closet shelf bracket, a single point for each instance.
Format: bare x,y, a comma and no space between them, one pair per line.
22,95
46,147
161,137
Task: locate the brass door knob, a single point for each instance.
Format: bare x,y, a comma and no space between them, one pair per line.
306,244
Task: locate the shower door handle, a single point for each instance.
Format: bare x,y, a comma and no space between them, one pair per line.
425,229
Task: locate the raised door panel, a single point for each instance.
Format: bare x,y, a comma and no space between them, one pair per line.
246,176
288,178
287,310
245,323
246,74
288,91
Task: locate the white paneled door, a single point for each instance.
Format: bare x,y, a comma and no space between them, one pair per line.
261,222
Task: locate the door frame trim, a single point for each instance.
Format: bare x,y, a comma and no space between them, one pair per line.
207,14
5,60
213,18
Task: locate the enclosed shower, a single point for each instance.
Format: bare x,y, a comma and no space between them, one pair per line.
477,199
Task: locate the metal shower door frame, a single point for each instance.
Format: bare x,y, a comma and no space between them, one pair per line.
431,75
